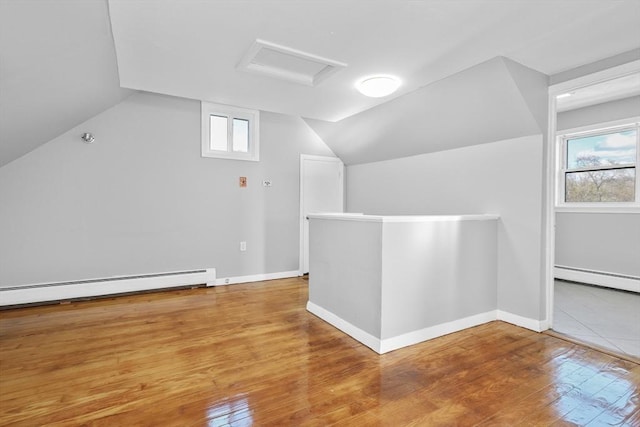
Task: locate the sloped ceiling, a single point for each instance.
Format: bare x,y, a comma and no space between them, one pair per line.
492,101
57,69
59,65
191,48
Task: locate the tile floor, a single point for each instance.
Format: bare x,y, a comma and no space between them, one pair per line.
605,317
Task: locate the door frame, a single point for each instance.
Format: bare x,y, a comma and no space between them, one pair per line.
303,158
552,176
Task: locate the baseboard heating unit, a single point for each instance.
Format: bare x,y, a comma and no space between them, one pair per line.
60,291
599,278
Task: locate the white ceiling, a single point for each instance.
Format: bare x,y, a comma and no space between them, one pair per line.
191,48
493,101
59,65
57,69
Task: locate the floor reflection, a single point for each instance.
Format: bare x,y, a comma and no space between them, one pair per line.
234,412
593,392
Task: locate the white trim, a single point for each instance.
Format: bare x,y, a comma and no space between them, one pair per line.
386,345
255,278
402,218
600,278
549,226
415,337
303,158
525,322
346,327
37,293
603,126
230,112
590,208
590,79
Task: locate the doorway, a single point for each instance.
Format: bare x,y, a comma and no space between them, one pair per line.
594,279
321,190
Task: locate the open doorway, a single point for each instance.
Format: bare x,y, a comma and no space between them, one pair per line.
594,294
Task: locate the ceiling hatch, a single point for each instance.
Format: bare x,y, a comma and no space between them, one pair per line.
285,63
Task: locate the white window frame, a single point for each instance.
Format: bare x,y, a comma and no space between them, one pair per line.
230,112
561,161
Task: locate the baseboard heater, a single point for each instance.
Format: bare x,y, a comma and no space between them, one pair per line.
61,291
599,278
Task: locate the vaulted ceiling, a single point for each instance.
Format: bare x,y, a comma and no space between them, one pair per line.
191,49
57,69
493,101
63,61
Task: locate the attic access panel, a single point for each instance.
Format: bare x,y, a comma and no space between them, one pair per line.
289,64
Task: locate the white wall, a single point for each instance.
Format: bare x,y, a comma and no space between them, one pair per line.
502,177
607,242
141,199
345,271
437,272
394,281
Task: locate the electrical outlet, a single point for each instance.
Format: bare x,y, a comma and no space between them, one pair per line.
243,246
267,183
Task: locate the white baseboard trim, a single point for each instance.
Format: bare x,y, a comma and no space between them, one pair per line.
525,322
382,346
358,334
600,278
431,332
47,292
255,278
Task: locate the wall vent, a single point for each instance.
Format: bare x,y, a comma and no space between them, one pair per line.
273,60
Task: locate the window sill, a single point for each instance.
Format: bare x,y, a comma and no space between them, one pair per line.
598,209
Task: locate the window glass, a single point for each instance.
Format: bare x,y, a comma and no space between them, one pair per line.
229,132
618,148
217,133
608,185
241,135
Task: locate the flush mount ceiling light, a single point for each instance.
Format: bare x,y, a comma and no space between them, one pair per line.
378,86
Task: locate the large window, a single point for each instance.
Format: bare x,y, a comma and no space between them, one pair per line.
230,132
598,167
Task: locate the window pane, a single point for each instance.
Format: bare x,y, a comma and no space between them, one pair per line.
615,185
241,135
617,148
218,133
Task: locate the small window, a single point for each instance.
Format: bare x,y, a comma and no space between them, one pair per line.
230,132
598,167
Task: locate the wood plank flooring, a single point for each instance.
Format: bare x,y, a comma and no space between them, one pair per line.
251,354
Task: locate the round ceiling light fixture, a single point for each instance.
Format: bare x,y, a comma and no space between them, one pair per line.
378,86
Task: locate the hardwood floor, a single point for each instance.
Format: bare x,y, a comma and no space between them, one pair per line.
251,354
